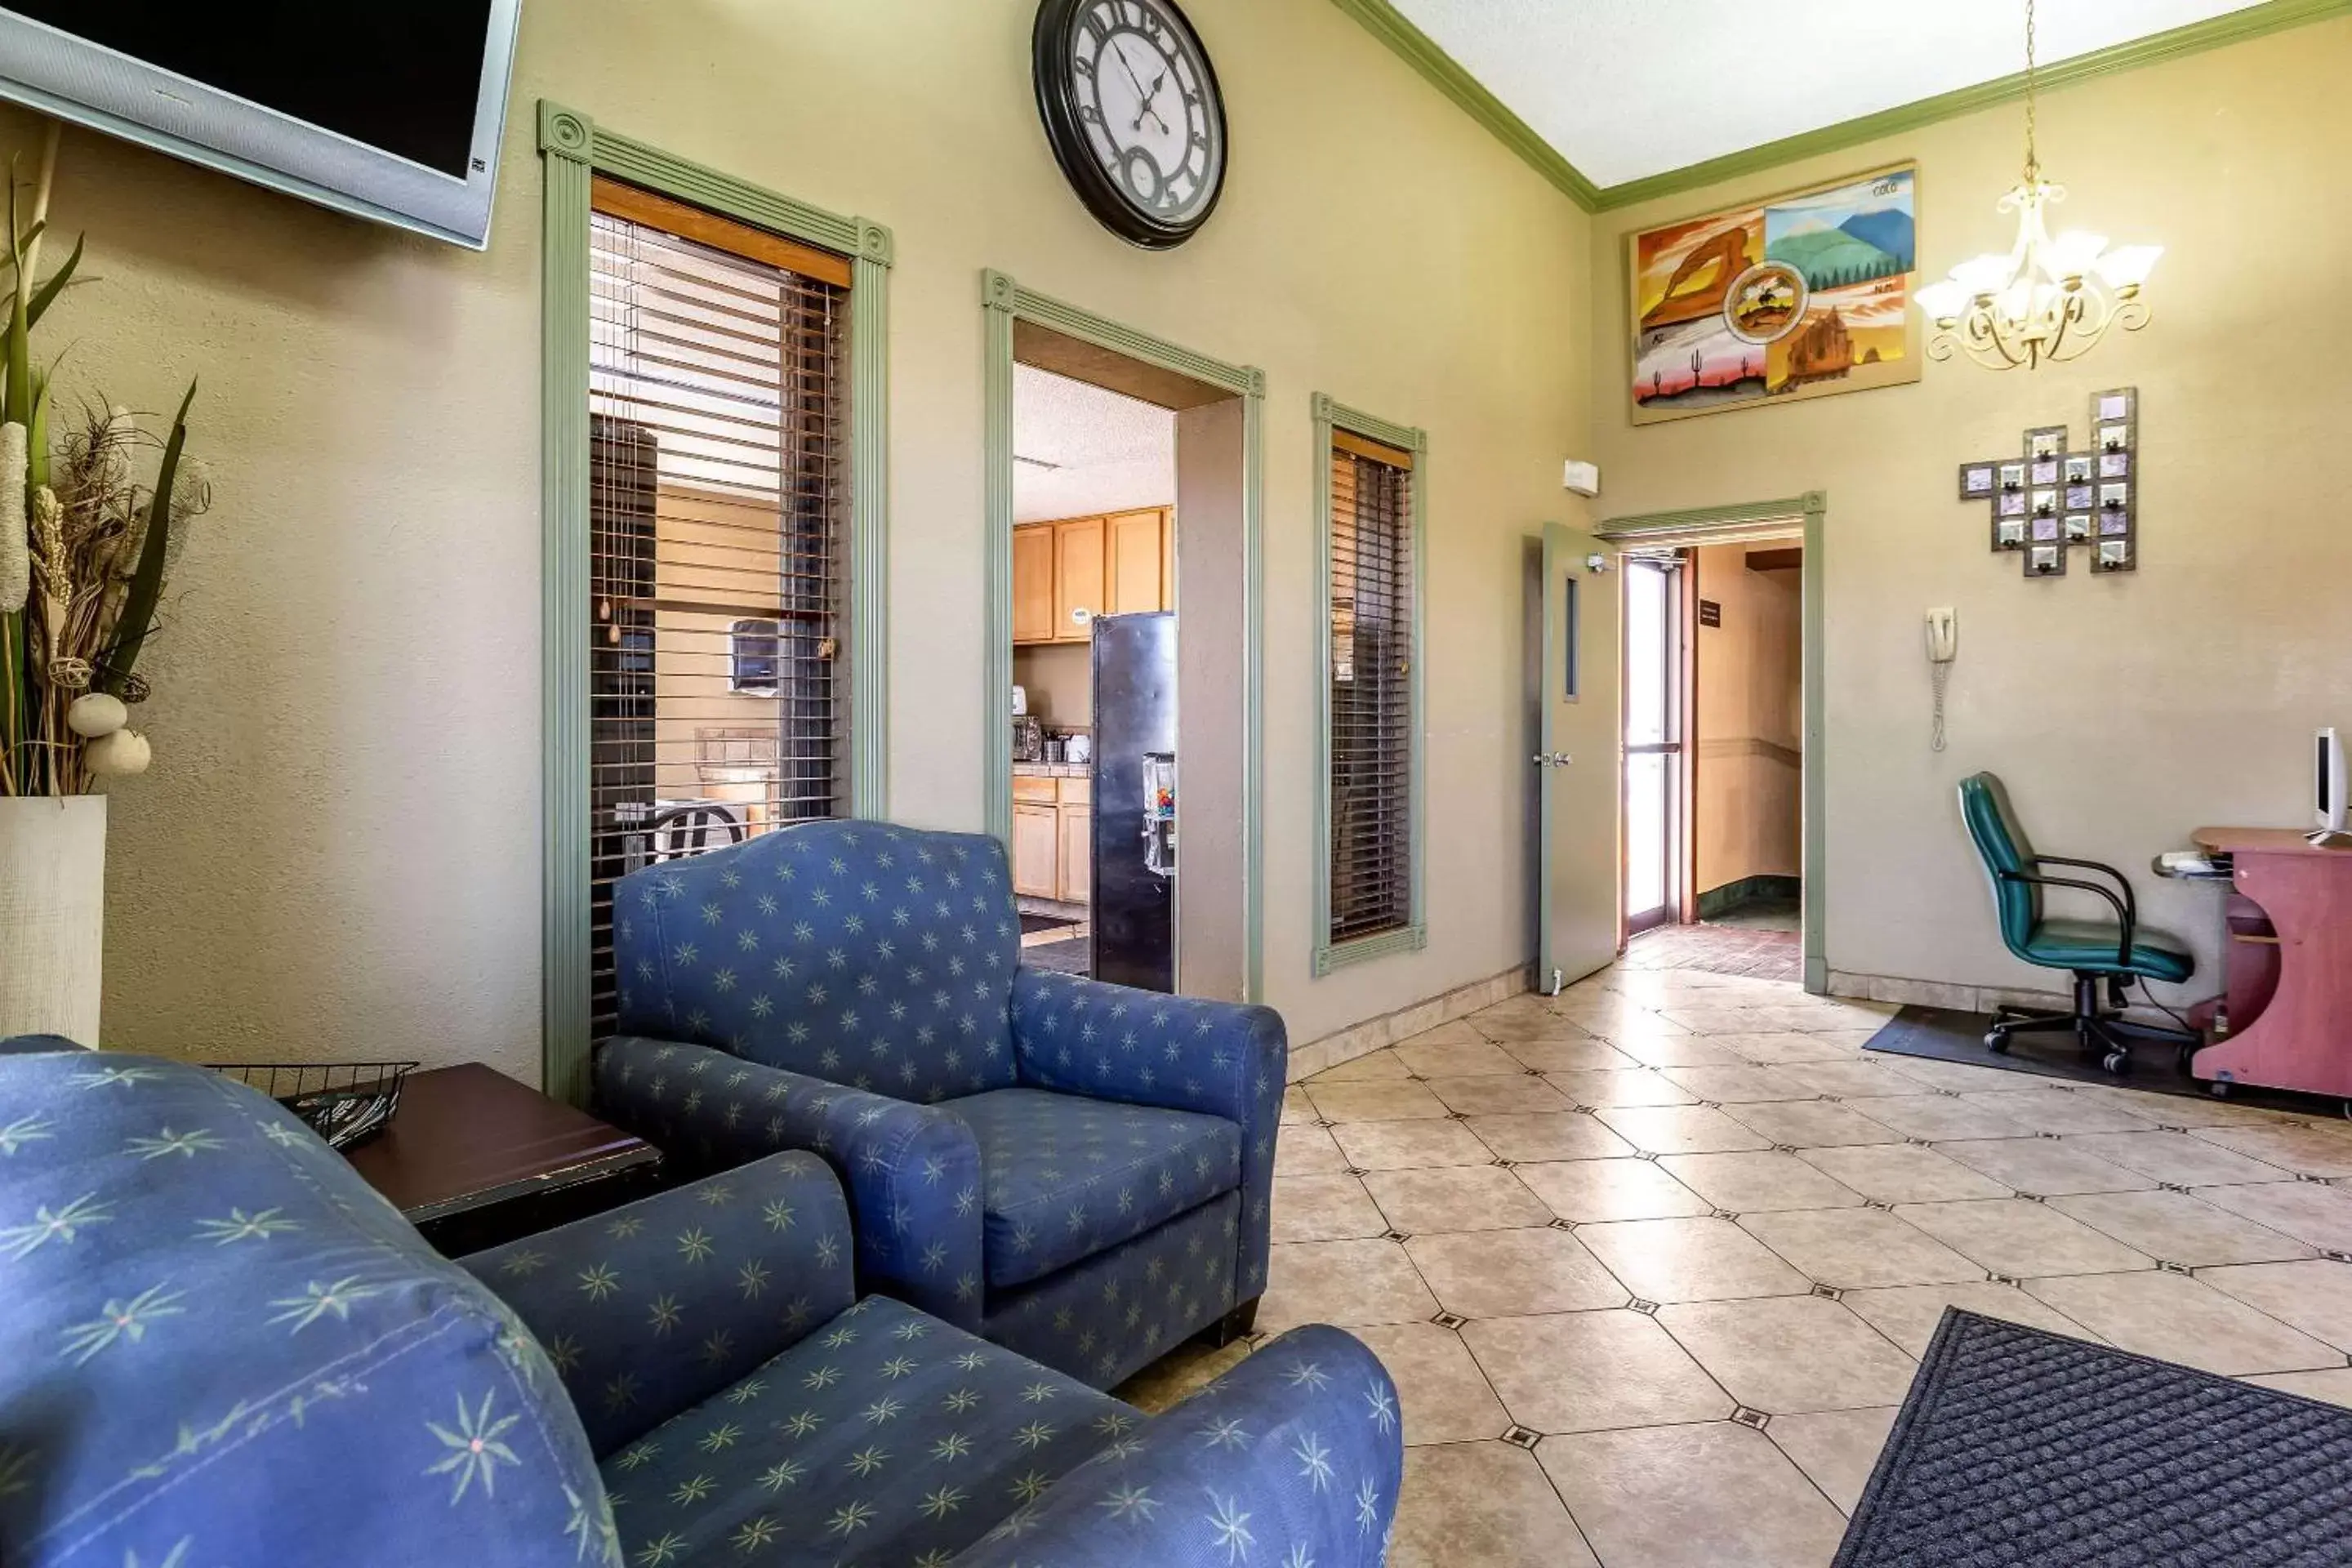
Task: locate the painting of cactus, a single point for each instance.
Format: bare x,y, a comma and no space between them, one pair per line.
94,509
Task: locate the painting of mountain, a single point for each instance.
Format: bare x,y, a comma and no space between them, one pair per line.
1856,243
1889,229
1830,257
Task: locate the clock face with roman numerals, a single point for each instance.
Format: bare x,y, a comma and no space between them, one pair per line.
1131,104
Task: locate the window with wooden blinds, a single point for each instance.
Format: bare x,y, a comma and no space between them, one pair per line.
1371,689
718,472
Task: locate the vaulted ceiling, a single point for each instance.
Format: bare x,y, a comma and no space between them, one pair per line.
1625,91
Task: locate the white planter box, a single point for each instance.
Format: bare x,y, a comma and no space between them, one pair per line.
52,915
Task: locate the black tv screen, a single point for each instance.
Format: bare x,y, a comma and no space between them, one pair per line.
419,84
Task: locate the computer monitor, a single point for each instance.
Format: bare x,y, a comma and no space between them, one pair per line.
2328,787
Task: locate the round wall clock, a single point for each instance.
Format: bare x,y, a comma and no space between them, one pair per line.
1131,107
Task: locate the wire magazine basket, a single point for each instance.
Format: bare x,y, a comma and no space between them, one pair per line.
343,1103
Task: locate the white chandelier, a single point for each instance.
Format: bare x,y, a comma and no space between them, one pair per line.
2048,301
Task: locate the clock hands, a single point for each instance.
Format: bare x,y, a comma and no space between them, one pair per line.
1146,95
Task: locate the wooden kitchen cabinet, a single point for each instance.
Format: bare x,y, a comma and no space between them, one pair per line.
1133,553
1032,585
1037,850
1078,576
1065,574
1078,832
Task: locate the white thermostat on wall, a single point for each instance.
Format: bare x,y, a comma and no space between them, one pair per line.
1583,478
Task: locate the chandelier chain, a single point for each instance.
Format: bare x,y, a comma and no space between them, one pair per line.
2032,161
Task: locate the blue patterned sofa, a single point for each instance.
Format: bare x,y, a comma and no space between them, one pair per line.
1076,1171
218,1346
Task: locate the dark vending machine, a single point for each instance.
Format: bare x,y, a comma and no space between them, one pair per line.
1134,912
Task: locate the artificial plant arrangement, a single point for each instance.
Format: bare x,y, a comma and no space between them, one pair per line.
87,544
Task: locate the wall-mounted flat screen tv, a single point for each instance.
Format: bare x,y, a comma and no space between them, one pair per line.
390,112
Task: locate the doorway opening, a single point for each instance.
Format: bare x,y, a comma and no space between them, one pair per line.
1714,785
1123,710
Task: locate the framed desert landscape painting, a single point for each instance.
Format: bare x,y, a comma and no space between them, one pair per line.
1799,296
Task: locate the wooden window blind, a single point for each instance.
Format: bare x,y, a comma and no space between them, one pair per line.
1371,679
718,495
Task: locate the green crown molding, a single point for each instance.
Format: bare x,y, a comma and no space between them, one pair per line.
2237,27
1385,23
574,148
1328,416
1444,73
1003,301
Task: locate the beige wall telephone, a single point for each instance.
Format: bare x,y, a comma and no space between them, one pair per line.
1943,647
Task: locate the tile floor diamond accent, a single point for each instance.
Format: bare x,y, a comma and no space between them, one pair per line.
1835,1448
1583,1371
1701,1496
2174,1318
1858,1249
1716,1389
1444,1397
2022,1239
1514,1273
1487,1504
1691,1259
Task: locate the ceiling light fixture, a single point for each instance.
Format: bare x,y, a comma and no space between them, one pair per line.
2048,301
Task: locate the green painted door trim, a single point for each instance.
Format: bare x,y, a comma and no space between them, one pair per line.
1003,302
573,149
1444,72
1329,415
1813,507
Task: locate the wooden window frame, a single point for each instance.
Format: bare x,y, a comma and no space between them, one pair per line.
1339,428
575,151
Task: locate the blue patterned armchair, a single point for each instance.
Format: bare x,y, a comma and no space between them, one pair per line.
1076,1171
217,1345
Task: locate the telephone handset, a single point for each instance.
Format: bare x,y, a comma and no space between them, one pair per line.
1943,648
1943,636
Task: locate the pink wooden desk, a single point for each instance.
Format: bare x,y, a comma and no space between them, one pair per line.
2288,969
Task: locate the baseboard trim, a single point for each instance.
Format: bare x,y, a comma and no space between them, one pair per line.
1963,998
1379,1033
1714,901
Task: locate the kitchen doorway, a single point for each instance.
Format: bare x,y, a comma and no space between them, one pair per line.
1123,491
1094,546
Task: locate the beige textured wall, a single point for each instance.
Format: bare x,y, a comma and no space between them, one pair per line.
337,853
2123,710
1745,816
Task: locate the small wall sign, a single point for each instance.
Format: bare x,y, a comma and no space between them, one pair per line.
1711,614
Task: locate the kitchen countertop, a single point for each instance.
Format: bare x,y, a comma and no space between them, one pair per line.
1052,770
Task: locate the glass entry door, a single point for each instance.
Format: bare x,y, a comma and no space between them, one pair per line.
1653,740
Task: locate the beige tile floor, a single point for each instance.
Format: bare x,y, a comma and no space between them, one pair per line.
1651,1261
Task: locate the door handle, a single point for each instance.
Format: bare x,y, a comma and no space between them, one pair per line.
1552,759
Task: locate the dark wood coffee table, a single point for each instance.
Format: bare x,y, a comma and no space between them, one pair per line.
474,1159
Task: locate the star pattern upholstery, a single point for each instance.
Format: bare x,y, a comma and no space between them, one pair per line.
912,1171
327,1379
1067,1178
869,956
218,1346
655,1309
1119,1311
851,989
885,1437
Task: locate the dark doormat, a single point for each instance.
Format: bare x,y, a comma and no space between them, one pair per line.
1950,1036
2017,1447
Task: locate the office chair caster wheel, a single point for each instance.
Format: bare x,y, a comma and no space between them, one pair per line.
2114,1061
2220,1090
1997,1041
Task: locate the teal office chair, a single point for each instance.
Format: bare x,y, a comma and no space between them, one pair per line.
2112,954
